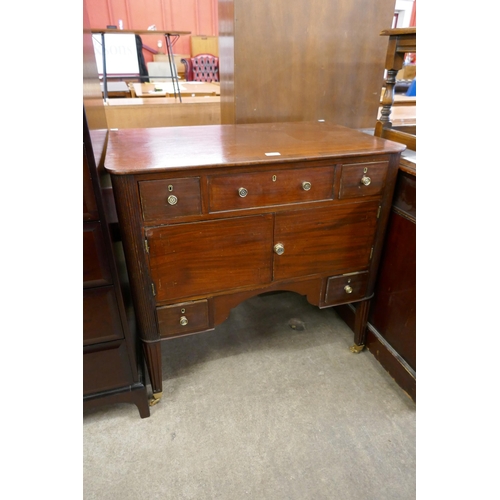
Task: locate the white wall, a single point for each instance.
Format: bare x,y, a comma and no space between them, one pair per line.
404,9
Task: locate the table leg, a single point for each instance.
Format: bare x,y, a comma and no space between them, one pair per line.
104,74
360,322
173,69
152,353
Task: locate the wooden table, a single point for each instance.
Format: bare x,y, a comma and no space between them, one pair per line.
167,89
116,89
168,39
213,215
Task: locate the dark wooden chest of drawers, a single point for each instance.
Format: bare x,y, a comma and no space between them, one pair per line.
112,372
213,215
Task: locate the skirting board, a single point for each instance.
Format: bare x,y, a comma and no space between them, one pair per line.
390,360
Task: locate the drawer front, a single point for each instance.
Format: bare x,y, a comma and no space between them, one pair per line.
349,287
331,240
261,189
101,317
178,319
362,179
96,270
205,257
170,198
106,369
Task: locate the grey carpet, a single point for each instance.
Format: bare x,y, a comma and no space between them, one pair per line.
260,410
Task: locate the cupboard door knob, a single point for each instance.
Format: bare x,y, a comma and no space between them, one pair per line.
348,289
183,321
242,192
172,199
366,180
306,186
279,248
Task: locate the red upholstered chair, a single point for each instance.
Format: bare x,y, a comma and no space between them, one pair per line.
202,68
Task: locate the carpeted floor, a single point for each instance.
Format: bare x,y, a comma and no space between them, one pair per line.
260,410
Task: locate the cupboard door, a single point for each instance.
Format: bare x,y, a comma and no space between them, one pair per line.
333,240
200,258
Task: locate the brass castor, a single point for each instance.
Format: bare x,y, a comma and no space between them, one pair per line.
156,398
356,349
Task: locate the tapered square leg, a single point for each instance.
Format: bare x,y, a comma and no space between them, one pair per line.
152,353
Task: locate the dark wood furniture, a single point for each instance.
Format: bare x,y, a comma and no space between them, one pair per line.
213,215
391,328
112,370
400,42
392,322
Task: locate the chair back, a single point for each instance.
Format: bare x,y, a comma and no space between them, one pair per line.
202,68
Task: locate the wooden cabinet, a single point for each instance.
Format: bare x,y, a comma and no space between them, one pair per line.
211,216
391,327
111,370
392,321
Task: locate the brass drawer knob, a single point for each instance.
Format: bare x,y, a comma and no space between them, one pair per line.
279,248
366,180
242,192
172,199
306,186
183,321
348,289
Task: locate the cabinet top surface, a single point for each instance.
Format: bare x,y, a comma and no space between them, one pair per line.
137,151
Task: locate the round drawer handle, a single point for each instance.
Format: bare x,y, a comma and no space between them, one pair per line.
183,321
366,180
172,199
348,289
279,248
242,192
306,186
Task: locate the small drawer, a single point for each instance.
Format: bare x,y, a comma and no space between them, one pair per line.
261,189
362,179
106,369
170,198
101,316
96,270
187,317
346,288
